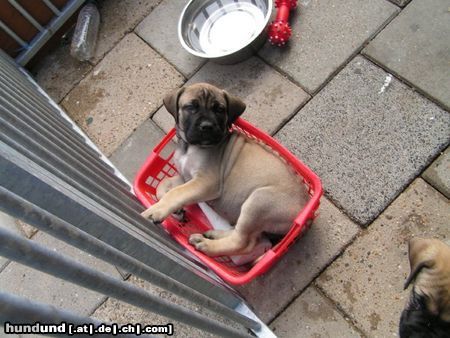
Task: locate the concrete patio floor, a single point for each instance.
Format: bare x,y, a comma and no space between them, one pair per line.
381,148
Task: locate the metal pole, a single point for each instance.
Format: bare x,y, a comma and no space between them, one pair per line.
25,178
27,15
17,310
38,257
53,8
47,32
13,35
45,221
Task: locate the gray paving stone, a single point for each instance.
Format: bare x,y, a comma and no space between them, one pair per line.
416,46
438,173
132,153
28,230
29,283
367,280
117,18
366,141
163,119
312,315
271,99
58,72
329,234
160,30
326,34
121,92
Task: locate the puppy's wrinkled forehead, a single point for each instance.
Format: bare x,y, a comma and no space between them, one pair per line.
202,94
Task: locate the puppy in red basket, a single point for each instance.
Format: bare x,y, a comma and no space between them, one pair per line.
245,183
427,313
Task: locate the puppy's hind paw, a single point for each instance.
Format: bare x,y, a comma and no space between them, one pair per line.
199,242
195,238
216,234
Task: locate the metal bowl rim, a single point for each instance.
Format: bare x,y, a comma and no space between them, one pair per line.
209,56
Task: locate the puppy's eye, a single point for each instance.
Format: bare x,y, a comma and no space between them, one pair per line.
191,107
218,108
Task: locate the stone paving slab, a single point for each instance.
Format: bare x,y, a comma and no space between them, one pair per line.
326,34
160,30
312,315
438,173
366,141
416,46
271,99
329,234
130,156
29,283
58,72
163,119
117,18
121,92
28,230
115,311
367,280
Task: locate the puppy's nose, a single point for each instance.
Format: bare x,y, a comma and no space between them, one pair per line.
206,126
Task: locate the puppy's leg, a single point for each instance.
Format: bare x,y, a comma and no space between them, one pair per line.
216,234
234,244
168,184
199,189
245,235
165,186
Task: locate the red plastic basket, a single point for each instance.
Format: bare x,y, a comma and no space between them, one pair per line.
156,168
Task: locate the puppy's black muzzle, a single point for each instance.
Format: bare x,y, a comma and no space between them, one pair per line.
417,322
205,132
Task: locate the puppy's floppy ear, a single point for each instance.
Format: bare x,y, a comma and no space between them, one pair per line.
171,102
419,258
235,107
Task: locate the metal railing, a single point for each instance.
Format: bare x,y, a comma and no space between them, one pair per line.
29,49
54,178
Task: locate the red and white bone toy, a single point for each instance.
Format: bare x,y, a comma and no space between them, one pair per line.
279,30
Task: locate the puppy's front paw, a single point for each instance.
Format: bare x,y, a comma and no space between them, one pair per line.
199,242
157,213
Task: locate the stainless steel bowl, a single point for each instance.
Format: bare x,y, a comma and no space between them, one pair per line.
225,31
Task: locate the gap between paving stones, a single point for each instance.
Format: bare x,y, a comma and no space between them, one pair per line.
426,179
94,64
358,235
129,30
342,66
312,282
358,52
341,311
396,4
431,160
5,266
406,82
363,231
165,59
173,65
286,76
